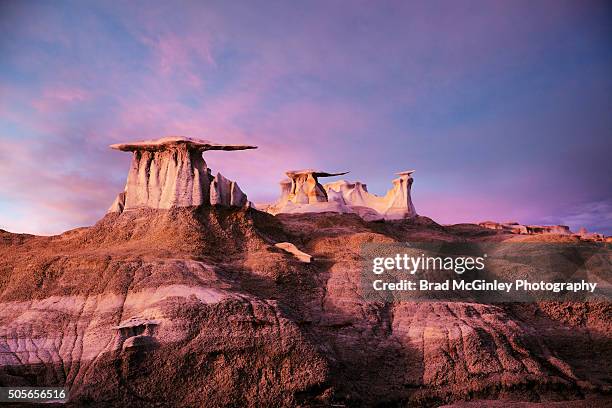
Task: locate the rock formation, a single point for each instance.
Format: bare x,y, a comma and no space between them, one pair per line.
516,228
592,236
226,192
396,204
197,307
171,172
293,250
302,193
305,187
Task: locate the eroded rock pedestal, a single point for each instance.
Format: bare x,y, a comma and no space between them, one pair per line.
171,172
302,193
305,187
396,204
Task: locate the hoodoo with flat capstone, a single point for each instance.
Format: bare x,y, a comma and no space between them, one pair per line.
302,193
171,172
305,187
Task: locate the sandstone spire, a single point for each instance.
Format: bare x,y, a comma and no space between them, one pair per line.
171,172
398,202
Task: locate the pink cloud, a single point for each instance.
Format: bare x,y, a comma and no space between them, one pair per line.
59,98
56,199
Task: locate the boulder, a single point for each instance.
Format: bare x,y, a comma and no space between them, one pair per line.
293,250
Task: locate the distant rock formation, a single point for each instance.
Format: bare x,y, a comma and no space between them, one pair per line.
171,172
516,228
302,193
592,236
305,187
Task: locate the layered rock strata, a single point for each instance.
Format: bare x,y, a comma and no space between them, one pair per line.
171,172
197,306
516,228
302,193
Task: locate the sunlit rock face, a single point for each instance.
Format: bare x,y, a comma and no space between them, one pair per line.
305,187
171,172
303,193
285,186
516,228
226,192
396,204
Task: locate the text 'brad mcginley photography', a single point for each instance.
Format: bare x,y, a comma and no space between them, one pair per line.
488,272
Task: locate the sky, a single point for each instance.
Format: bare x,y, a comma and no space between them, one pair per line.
504,109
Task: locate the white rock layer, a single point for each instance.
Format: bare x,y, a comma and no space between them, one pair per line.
293,250
396,204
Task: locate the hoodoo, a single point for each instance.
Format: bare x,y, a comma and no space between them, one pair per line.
302,193
396,204
171,172
305,187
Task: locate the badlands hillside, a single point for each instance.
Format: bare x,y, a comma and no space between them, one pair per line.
184,294
197,307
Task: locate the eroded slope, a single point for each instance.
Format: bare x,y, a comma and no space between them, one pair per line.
196,306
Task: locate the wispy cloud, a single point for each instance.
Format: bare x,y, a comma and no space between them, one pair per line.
594,216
